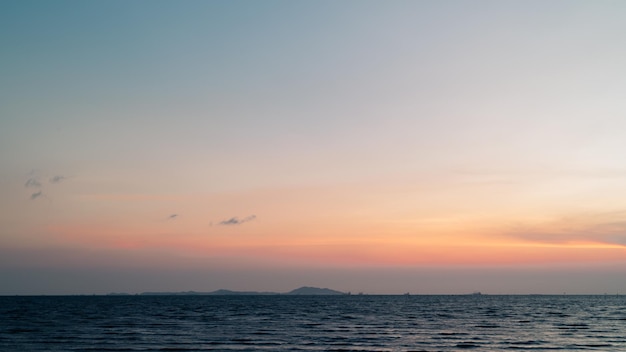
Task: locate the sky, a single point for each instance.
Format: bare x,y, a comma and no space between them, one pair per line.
366,146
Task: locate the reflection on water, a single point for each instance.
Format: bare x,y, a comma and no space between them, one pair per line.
313,323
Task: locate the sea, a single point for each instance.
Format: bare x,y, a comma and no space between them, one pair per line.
313,323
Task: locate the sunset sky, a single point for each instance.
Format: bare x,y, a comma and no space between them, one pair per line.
374,146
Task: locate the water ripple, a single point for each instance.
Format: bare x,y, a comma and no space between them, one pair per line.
313,323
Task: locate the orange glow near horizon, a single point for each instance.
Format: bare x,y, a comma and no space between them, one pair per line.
341,250
332,226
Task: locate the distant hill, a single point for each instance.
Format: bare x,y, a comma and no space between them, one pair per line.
240,293
220,292
186,293
305,290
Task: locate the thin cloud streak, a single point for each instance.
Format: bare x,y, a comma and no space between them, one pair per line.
57,179
32,183
609,228
236,221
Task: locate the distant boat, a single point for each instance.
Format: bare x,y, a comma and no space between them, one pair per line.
477,293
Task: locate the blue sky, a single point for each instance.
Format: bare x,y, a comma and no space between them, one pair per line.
356,135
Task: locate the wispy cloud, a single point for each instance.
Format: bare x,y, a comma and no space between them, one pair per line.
236,221
57,178
32,182
172,216
604,228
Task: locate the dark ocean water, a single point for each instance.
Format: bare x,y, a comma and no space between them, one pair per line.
313,323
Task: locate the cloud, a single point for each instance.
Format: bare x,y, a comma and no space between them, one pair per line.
172,216
603,228
57,178
32,182
249,218
236,221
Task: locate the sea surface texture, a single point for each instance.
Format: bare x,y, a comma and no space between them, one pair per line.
313,323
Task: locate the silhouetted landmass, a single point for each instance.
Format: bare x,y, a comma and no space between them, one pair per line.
314,291
241,293
212,293
299,291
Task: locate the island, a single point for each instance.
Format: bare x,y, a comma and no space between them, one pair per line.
302,291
